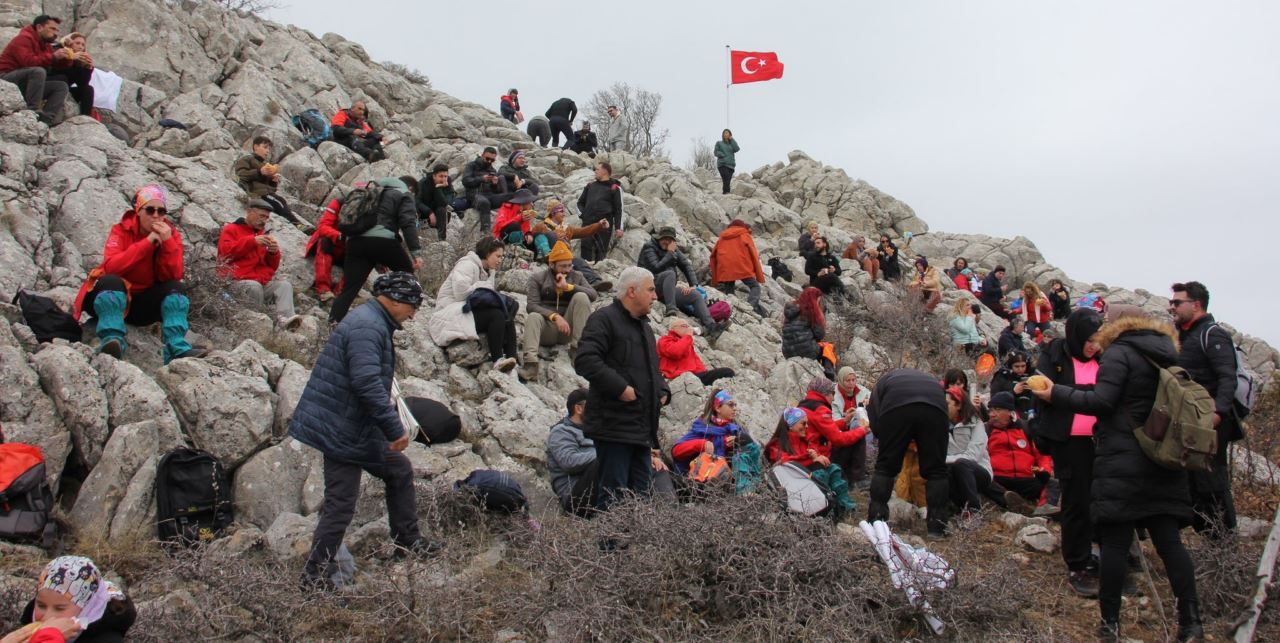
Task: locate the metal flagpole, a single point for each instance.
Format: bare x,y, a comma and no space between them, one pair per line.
728,80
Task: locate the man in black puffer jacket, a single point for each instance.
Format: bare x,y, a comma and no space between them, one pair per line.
1129,489
484,186
1209,355
1068,437
618,357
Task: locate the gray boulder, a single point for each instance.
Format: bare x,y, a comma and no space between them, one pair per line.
223,412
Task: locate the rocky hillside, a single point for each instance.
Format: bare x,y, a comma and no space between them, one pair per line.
230,77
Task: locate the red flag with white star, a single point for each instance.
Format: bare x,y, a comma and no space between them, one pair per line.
754,66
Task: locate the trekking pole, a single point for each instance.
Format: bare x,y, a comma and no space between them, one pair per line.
1151,584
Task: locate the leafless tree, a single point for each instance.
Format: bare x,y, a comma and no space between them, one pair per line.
411,74
248,6
639,109
702,155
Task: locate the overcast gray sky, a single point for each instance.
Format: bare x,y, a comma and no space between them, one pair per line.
1135,143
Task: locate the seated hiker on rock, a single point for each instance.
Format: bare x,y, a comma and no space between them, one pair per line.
662,257
1036,311
968,463
889,259
735,258
993,289
327,246
485,188
1059,299
823,268
392,242
558,302
845,403
250,257
869,259
29,60
509,105
557,228
572,463
1011,379
927,284
957,377
584,141
454,320
74,602
839,439
517,175
805,243
964,328
351,130
1010,340
77,76
260,178
435,198
676,355
956,272
790,443
803,327
1016,465
140,280
514,225
714,432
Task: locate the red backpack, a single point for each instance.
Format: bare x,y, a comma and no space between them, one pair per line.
26,500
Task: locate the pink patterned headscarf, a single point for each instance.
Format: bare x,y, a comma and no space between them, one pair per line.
78,579
147,193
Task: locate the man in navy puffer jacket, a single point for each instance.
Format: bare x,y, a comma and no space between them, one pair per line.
346,412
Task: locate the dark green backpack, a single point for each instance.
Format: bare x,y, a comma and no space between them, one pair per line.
1179,433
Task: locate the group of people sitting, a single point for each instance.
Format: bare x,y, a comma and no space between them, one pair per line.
47,68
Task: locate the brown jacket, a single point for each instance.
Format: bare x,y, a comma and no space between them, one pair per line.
249,175
542,298
565,232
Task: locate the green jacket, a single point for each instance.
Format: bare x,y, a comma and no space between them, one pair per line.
725,151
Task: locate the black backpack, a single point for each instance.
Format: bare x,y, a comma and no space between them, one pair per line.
779,269
26,500
494,490
46,319
359,210
193,497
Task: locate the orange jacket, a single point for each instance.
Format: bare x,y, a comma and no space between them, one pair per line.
735,257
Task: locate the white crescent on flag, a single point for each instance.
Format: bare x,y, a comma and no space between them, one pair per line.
751,71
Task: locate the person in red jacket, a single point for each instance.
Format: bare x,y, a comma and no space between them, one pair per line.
791,442
27,61
1020,471
140,280
250,257
734,259
514,225
351,130
837,439
676,355
327,246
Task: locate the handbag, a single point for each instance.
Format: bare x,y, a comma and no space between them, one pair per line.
410,423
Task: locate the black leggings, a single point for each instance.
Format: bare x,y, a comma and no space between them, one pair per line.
500,331
726,176
363,253
710,375
1116,538
77,80
926,425
1073,464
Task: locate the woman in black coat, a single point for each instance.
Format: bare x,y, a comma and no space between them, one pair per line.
823,268
889,259
1129,489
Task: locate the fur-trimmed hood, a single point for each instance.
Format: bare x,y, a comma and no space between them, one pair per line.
1152,338
1113,329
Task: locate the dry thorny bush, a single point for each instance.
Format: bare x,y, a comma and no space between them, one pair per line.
908,335
736,568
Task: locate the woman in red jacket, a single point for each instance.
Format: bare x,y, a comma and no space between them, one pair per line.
327,246
140,280
676,355
1036,310
791,443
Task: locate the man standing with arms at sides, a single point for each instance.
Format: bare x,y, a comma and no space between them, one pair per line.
618,357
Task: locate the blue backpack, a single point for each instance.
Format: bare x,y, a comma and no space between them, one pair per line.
494,491
313,125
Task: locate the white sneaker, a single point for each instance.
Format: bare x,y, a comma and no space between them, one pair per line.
505,364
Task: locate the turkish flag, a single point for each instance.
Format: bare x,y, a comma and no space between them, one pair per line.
754,66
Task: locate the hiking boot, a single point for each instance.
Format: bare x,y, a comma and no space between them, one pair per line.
1047,510
112,347
420,547
193,353
1189,627
1017,504
603,285
529,371
1083,583
505,364
1109,632
671,311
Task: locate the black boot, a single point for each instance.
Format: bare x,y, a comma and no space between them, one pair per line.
1189,628
1109,631
878,501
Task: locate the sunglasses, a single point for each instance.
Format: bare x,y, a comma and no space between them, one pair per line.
153,210
1174,303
